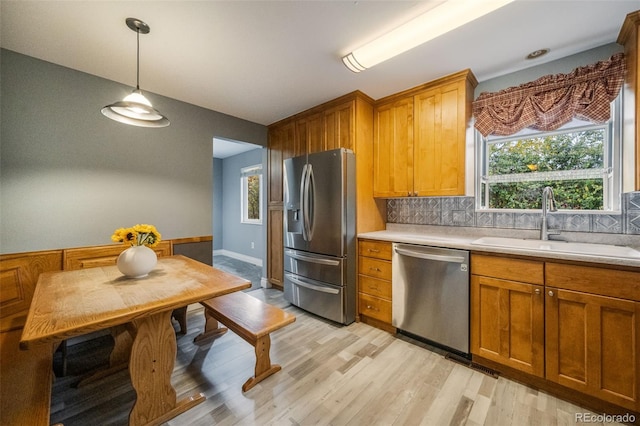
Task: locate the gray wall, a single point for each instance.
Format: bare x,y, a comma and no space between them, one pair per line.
217,204
69,176
563,65
237,236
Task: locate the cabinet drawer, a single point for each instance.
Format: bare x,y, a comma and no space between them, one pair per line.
375,307
529,271
589,279
375,287
375,268
377,249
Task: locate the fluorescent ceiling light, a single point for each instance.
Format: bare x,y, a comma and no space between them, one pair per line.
437,21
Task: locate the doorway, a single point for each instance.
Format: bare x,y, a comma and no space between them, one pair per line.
239,225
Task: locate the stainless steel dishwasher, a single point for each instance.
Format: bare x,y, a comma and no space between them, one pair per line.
430,292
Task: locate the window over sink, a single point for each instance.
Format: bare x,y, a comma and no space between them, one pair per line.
580,161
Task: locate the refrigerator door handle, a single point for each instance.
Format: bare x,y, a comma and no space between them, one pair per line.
301,283
299,256
303,192
311,195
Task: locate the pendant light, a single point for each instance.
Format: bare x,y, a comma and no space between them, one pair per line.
135,109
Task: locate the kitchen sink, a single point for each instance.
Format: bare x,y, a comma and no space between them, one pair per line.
587,249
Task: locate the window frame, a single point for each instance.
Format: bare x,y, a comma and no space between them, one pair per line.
612,159
245,173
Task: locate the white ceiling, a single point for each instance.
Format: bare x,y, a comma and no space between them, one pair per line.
266,60
223,148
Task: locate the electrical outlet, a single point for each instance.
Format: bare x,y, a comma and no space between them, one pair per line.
253,245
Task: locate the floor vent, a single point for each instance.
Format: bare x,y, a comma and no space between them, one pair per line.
485,370
468,363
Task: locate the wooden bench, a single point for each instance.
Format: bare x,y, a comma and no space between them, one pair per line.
250,319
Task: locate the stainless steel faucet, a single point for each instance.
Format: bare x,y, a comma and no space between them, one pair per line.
547,197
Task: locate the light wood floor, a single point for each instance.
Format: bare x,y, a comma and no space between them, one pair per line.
331,375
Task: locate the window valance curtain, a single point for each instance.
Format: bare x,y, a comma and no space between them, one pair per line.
553,100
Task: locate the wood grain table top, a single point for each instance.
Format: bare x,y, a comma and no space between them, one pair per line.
71,303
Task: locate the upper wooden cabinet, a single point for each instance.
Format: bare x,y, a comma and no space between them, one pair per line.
393,149
309,135
420,138
345,122
338,124
629,37
279,149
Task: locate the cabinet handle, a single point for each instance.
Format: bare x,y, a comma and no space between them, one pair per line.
375,269
374,251
415,194
550,293
372,308
373,288
537,291
409,194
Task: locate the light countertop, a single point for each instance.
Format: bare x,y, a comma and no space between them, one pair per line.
462,238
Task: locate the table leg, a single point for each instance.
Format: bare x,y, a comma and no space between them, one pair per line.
150,366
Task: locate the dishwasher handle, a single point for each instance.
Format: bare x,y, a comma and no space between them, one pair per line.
429,256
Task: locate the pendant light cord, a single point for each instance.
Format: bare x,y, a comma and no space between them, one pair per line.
138,59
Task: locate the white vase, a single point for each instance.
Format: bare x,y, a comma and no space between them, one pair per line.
137,261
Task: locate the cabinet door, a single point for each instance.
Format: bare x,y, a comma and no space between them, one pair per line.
507,320
338,126
275,246
280,138
439,141
309,135
393,149
592,345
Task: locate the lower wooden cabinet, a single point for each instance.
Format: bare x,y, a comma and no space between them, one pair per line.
592,340
275,236
507,316
374,281
578,327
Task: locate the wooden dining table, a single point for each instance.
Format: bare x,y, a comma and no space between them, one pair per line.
72,303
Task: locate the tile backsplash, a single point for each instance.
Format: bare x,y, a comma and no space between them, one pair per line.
460,211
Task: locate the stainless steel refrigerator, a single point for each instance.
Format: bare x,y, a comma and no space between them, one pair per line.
319,234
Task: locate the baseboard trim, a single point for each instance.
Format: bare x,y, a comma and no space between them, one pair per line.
254,260
264,283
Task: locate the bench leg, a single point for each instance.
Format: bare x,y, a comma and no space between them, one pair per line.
264,368
211,328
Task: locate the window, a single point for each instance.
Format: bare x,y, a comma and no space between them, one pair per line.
580,161
251,187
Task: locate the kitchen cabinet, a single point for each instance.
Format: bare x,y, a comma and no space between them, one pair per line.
393,149
309,135
279,149
420,138
592,341
571,324
345,122
629,37
374,283
338,126
507,312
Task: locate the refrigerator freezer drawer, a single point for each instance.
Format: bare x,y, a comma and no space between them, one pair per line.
316,297
327,269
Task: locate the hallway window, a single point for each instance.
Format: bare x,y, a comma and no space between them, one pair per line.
251,187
